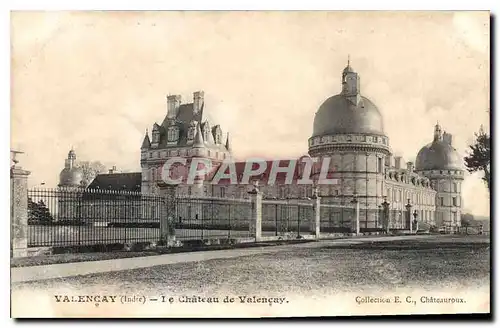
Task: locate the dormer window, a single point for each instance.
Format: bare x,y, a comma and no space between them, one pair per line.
191,131
173,134
207,133
218,137
156,136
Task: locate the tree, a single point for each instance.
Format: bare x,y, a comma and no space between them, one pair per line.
90,170
38,212
478,158
467,219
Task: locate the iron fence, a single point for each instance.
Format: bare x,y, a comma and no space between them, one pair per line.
65,217
205,218
472,230
399,219
69,217
281,217
337,218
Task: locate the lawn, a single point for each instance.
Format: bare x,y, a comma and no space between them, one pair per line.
452,262
89,235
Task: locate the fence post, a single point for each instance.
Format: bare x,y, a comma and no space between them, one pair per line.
358,228
256,216
387,219
315,222
167,219
18,211
408,210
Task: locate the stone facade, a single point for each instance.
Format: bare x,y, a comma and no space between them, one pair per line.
186,131
441,164
348,129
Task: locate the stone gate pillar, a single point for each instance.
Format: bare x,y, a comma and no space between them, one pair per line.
408,215
18,211
167,219
385,211
256,214
316,219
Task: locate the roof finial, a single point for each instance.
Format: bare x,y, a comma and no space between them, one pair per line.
348,60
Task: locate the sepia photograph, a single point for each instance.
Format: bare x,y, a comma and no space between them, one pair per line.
249,164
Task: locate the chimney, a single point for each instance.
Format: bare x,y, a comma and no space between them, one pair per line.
389,161
398,162
198,99
409,167
448,138
173,103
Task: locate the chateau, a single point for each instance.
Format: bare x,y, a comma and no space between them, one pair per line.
349,129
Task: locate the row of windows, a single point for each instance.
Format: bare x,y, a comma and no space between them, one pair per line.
217,192
348,138
183,152
455,201
454,217
394,195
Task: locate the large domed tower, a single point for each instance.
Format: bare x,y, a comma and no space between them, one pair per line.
71,176
440,162
348,128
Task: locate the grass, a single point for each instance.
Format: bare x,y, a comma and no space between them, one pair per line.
85,257
441,261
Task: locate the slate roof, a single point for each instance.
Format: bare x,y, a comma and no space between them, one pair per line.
117,181
146,143
185,116
264,177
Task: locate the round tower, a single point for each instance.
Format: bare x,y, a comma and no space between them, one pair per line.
440,162
71,176
348,129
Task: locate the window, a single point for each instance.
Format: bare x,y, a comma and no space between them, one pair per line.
150,155
336,192
282,192
191,131
223,192
441,199
156,136
189,191
173,134
455,187
380,165
455,201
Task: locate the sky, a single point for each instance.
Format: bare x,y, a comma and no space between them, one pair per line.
95,81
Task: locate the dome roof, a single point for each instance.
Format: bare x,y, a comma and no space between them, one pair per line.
348,69
340,115
438,155
70,177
